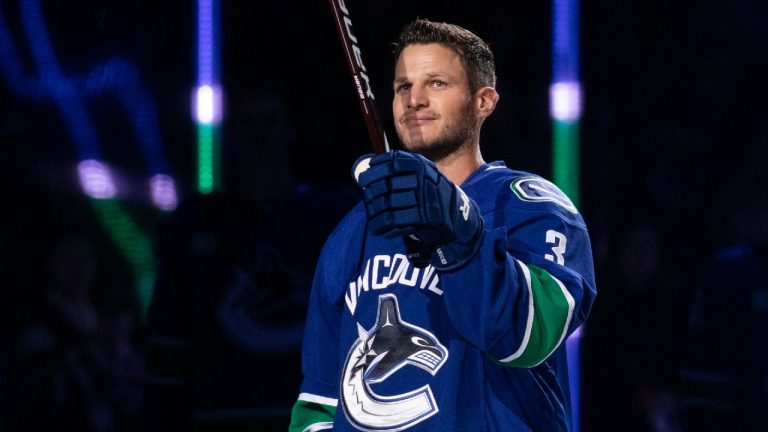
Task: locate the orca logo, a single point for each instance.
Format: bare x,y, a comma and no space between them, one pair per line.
536,189
389,346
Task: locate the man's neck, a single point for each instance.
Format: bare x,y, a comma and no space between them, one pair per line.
458,166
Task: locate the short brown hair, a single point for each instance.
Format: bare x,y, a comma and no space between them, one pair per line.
476,56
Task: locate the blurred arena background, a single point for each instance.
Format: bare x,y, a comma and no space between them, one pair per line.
139,291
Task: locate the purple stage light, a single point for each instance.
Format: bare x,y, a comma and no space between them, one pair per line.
96,179
565,101
163,191
207,105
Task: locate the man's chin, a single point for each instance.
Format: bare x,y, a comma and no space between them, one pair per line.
434,151
420,147
415,147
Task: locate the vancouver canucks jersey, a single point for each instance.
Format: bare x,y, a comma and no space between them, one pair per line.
391,347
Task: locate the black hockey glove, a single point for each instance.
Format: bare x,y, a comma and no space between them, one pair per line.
406,196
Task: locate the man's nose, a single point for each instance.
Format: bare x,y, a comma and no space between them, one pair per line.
417,98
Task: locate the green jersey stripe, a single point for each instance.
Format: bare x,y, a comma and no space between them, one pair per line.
550,309
311,416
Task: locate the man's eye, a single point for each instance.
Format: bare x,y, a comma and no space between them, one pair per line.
438,83
403,87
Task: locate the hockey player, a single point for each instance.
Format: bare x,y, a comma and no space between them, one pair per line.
442,301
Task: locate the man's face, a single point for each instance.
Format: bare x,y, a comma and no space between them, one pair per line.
432,106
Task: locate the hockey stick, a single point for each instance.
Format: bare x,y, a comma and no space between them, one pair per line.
361,80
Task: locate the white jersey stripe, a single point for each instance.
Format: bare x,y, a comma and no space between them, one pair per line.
529,321
319,426
309,397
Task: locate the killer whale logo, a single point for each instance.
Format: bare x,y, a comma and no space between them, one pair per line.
390,345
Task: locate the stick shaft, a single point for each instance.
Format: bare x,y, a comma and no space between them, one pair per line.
359,76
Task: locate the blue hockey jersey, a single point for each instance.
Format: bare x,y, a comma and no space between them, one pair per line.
391,347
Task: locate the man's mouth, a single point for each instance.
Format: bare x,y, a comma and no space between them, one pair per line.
418,120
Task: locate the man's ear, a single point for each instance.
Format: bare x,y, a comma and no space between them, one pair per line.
485,101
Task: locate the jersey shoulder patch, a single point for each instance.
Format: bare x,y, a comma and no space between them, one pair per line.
533,188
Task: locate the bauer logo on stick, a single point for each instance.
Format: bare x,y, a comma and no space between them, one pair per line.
360,78
355,56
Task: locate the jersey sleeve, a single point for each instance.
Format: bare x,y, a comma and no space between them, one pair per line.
315,408
530,285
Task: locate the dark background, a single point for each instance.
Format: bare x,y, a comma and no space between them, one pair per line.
674,151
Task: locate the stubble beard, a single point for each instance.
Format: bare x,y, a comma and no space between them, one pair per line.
452,138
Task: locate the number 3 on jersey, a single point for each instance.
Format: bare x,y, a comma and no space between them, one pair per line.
559,240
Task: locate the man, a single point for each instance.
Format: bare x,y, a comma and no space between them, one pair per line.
439,308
